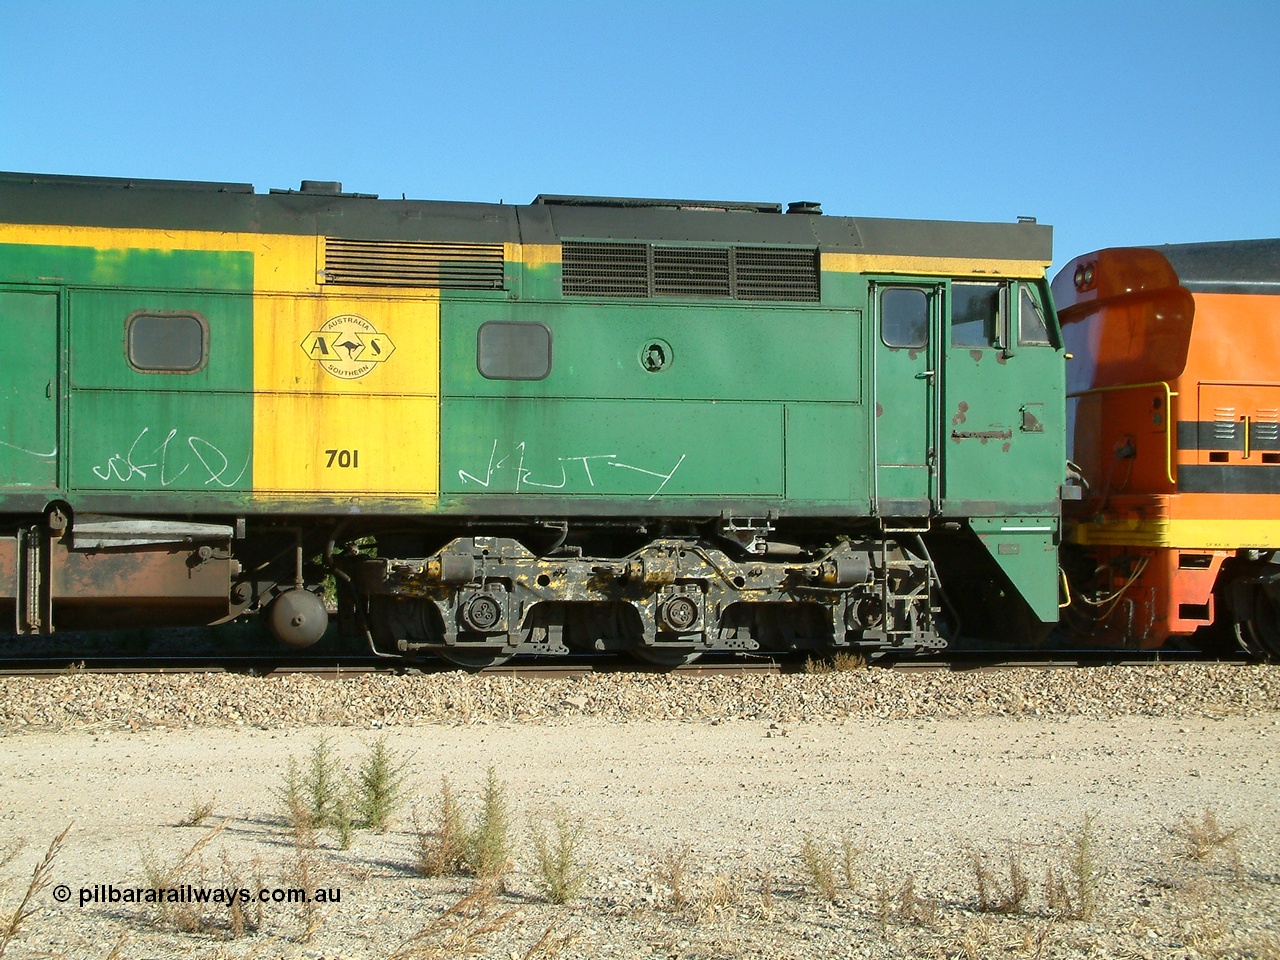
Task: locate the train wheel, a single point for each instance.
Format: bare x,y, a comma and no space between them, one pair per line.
473,659
1260,636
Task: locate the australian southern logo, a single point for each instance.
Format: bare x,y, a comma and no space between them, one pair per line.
348,346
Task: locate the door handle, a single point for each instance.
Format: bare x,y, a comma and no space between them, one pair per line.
925,375
48,390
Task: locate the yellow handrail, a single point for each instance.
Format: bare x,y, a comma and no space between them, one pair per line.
1169,394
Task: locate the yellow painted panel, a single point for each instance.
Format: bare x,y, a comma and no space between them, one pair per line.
1223,534
932,266
346,345
280,261
532,254
359,376
326,444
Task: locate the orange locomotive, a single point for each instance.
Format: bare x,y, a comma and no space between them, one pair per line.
1174,419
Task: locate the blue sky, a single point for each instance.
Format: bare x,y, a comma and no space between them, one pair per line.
1115,122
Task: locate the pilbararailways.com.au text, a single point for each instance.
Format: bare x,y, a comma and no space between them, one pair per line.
106,893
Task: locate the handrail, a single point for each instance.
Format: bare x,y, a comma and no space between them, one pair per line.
1169,394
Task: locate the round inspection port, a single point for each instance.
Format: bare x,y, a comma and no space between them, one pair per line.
656,355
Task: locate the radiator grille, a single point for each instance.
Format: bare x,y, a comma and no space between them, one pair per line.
606,269
765,274
409,263
655,270
691,272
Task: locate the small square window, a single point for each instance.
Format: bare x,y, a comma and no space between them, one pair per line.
513,351
904,317
1034,330
157,342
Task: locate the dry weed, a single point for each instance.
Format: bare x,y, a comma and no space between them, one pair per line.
557,856
488,845
842,661
994,896
200,811
442,848
671,870
463,929
41,877
186,917
819,866
307,872
1071,889
551,944
1205,837
725,890
380,785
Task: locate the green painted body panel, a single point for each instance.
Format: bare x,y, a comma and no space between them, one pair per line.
535,282
717,353
133,430
827,456
28,389
98,352
636,449
125,430
739,410
1026,548
161,441
1016,398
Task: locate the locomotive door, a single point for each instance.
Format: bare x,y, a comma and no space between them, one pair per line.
28,388
904,446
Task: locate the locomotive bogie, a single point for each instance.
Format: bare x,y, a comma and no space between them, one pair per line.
490,598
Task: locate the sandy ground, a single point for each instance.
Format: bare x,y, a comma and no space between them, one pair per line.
914,796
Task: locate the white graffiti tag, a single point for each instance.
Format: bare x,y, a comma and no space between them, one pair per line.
512,468
145,455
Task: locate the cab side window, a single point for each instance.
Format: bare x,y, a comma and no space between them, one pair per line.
977,313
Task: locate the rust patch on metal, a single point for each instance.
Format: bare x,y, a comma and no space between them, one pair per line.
879,410
1005,446
983,435
961,410
976,354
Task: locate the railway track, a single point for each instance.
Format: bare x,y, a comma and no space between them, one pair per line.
346,666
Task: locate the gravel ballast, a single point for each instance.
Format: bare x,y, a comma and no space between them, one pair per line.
176,700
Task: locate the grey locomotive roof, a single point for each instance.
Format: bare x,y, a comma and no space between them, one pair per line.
1228,266
324,210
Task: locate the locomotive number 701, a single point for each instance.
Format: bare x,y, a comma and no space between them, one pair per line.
343,458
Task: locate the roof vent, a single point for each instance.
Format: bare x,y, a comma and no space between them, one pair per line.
329,187
805,206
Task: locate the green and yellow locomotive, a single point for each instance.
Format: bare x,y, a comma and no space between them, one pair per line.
663,427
